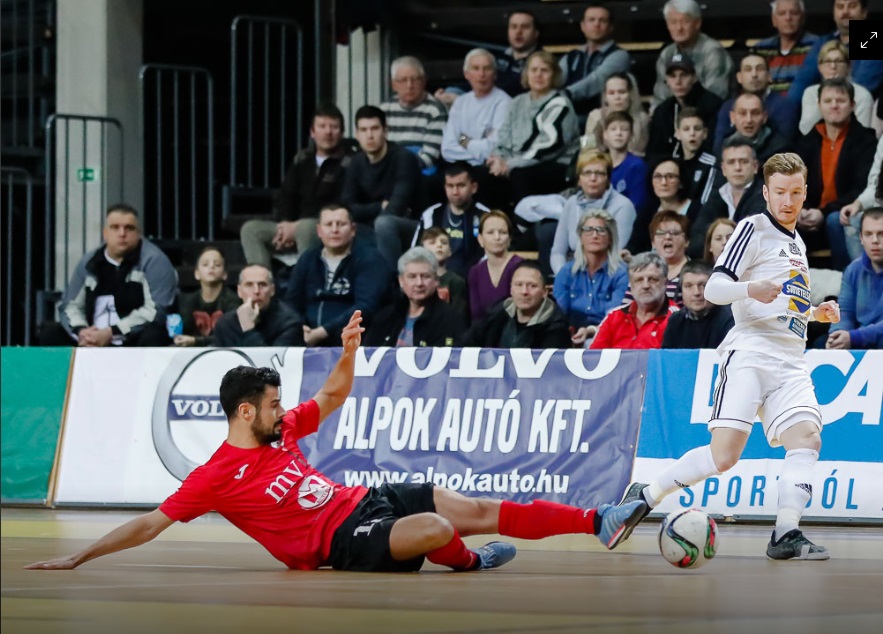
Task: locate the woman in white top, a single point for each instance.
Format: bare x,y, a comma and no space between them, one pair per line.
834,62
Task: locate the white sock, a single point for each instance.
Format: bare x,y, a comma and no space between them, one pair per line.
694,466
795,488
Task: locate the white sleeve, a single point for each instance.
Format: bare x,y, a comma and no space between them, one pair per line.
721,290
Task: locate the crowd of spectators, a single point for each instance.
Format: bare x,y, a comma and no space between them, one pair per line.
423,221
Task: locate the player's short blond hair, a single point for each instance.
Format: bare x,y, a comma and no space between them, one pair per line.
783,163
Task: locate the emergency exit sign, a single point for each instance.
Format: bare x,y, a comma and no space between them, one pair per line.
88,174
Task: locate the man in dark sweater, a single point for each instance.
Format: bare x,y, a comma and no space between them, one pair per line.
380,188
700,324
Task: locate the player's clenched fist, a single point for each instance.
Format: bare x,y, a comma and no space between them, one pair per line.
764,291
828,312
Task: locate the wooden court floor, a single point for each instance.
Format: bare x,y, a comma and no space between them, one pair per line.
208,577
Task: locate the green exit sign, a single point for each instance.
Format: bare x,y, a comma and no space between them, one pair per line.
88,174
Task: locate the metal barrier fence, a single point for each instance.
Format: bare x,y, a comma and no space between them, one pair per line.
18,223
181,145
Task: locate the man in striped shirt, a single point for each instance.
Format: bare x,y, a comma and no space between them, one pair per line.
786,51
415,119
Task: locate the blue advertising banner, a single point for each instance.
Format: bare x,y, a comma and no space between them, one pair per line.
849,389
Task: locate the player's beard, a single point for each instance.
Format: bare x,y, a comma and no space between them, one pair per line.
262,436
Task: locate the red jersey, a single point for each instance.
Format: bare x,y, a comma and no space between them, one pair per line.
620,328
272,494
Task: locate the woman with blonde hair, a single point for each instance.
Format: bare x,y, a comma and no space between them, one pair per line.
620,95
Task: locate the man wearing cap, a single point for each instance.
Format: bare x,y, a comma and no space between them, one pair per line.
687,91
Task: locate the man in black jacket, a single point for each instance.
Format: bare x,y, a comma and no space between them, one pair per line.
526,319
420,318
315,178
699,324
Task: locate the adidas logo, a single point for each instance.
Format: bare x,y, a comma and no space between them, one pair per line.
682,485
782,254
805,487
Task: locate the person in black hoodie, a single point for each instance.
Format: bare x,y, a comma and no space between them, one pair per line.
699,324
526,319
419,317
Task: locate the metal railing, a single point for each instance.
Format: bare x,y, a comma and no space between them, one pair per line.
181,173
79,171
18,224
362,72
262,138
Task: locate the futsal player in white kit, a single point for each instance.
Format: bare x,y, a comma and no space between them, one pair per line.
763,273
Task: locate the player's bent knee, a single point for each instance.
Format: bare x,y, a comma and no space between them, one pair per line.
437,530
726,459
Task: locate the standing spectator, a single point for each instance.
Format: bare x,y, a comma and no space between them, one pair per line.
669,194
698,166
714,66
315,178
861,292
834,63
867,73
419,318
846,233
585,69
629,173
489,281
686,91
594,169
525,319
641,323
539,135
596,281
475,118
749,118
716,238
201,309
753,77
381,185
333,280
786,52
261,320
451,287
524,35
699,324
119,293
620,95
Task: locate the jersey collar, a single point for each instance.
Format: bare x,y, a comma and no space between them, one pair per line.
778,225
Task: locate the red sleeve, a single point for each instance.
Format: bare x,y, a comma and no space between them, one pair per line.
191,500
301,421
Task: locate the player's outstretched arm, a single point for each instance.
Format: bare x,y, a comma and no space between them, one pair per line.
133,533
828,312
339,383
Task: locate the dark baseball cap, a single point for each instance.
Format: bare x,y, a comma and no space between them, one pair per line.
682,61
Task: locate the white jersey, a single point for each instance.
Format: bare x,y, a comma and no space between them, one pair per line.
762,249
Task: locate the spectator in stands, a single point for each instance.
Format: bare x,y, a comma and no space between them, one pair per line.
861,292
838,153
593,169
525,319
670,239
475,118
629,173
119,293
489,281
867,73
753,77
834,62
786,52
585,69
713,64
620,95
381,185
451,286
524,36
699,324
459,218
641,323
686,91
419,317
336,278
716,238
261,320
415,119
749,118
669,194
539,135
596,281
700,168
314,179
201,309
845,233
740,196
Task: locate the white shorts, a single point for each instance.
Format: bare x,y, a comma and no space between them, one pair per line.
778,391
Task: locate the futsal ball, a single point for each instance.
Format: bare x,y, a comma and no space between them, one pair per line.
688,539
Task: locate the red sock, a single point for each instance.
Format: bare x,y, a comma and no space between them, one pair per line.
542,519
454,554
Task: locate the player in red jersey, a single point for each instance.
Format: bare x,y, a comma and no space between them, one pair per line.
260,481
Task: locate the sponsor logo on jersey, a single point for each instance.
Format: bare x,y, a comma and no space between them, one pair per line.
241,473
797,290
782,318
794,249
797,327
797,264
782,254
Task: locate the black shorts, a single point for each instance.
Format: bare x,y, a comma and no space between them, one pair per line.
361,543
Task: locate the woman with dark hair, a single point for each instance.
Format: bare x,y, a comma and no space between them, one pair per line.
669,194
716,238
490,279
